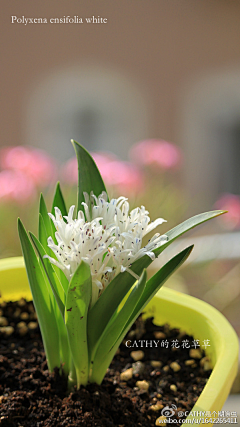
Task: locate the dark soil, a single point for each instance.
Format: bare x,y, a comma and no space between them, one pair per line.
31,396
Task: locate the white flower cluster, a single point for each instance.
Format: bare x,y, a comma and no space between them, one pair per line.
107,237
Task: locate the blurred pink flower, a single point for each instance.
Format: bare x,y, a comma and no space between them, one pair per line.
231,203
16,186
156,152
123,175
70,171
34,163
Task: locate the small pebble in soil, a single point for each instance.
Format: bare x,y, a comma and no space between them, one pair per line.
143,385
159,335
206,363
137,355
157,407
126,375
175,366
195,353
7,330
173,387
24,316
138,368
156,363
3,321
32,325
189,362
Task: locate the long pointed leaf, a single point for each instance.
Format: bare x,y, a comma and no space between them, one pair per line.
157,281
52,277
89,177
43,241
62,277
76,310
58,201
43,236
59,298
58,304
120,317
50,229
173,234
106,305
42,300
104,355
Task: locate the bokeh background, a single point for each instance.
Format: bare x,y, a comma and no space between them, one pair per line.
154,94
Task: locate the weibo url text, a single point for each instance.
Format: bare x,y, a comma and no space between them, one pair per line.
202,421
196,417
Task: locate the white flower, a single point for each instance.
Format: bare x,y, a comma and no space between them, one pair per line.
107,236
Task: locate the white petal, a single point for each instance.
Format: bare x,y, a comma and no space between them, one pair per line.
151,255
154,224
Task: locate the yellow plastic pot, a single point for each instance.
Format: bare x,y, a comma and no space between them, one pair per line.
178,310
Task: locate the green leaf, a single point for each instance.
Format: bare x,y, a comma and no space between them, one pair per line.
51,275
58,201
63,279
157,281
172,235
114,327
42,233
42,300
187,225
76,310
106,305
50,229
104,354
89,177
47,229
59,290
